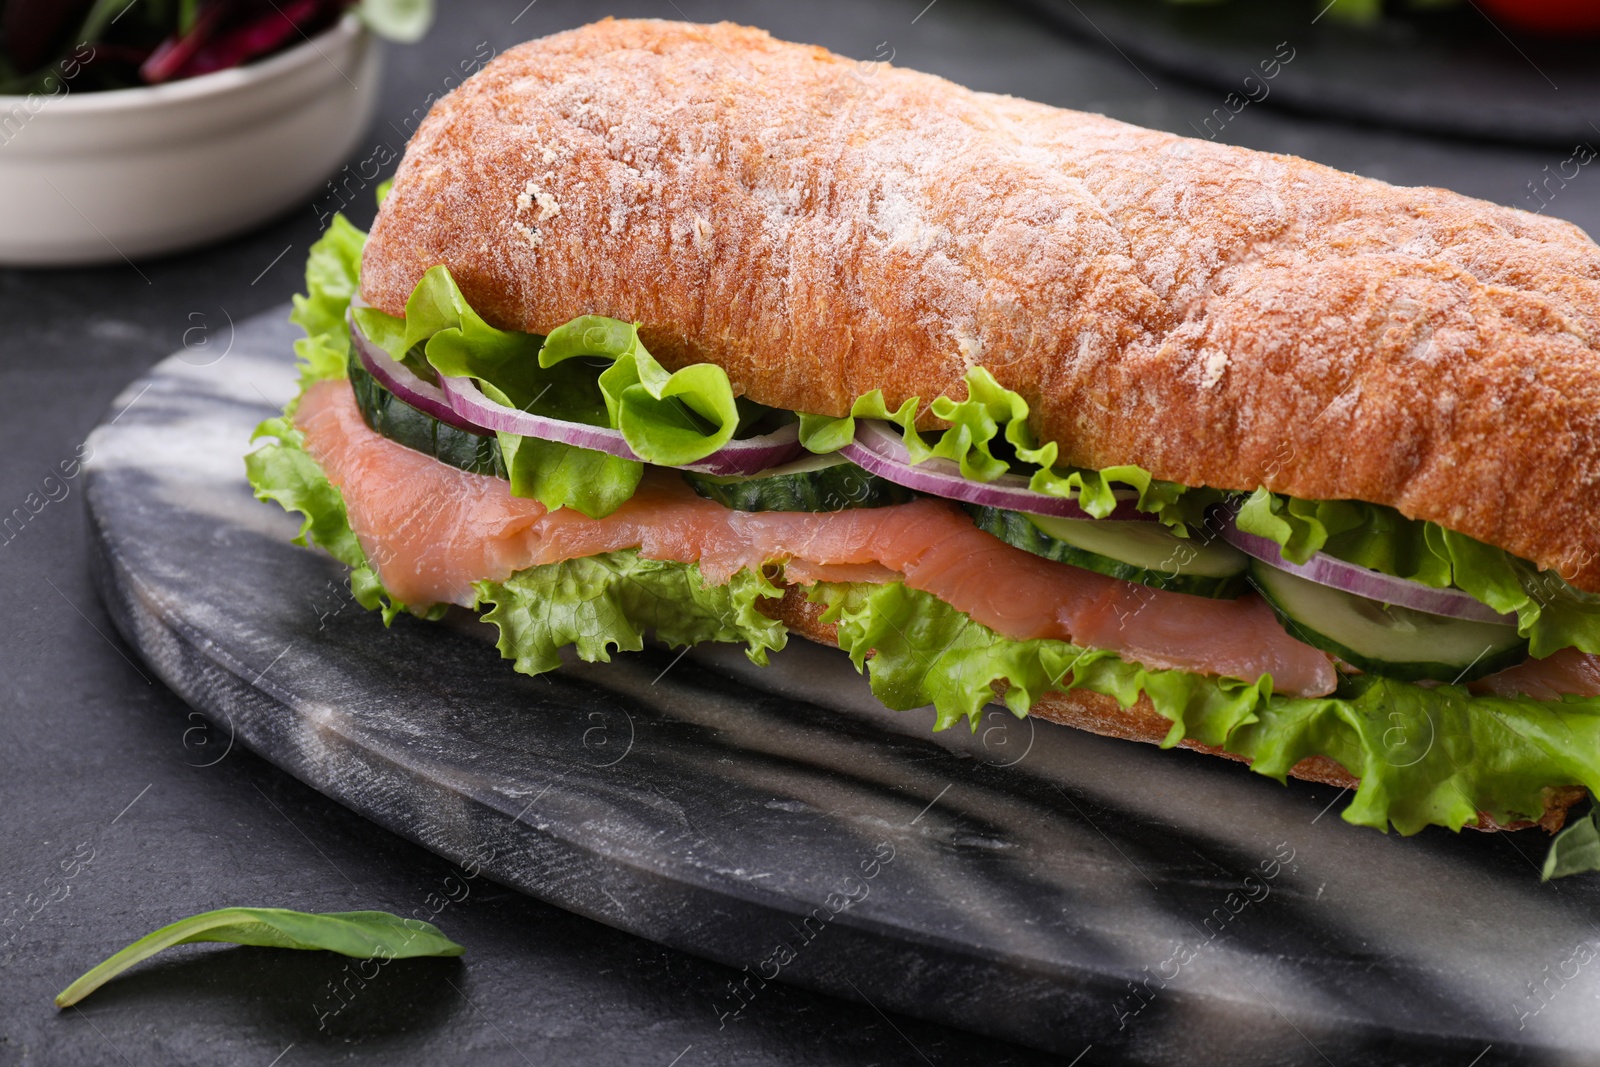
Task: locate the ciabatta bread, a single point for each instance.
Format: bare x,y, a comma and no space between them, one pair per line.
1222,317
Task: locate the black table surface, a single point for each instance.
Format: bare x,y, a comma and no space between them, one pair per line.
97,759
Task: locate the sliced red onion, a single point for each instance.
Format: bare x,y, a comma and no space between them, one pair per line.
1362,581
749,456
879,449
468,401
459,402
399,380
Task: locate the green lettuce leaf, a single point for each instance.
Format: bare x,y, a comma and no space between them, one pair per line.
333,269
1432,755
927,652
285,473
994,419
666,418
607,602
1550,613
1423,755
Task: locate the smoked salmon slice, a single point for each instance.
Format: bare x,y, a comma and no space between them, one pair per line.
1567,672
432,530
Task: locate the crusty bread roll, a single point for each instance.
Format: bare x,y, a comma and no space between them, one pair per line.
1222,317
1229,318
1103,715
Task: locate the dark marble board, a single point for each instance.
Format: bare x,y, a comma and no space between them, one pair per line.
1451,72
1025,881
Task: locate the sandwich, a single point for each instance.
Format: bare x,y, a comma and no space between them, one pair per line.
678,330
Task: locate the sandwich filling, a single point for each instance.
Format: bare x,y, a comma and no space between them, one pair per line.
569,547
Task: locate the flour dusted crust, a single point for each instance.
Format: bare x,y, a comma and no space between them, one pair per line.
1103,715
821,227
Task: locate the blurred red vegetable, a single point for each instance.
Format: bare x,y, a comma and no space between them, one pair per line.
117,44
228,33
1546,16
166,62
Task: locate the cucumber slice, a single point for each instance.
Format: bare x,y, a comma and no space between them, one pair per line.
1137,551
811,483
1385,638
403,424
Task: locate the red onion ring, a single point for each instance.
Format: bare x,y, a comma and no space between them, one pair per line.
468,401
459,402
749,456
879,449
1361,581
399,380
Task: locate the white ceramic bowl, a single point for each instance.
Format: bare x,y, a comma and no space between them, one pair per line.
94,177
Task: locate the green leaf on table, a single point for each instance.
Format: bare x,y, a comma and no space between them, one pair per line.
363,934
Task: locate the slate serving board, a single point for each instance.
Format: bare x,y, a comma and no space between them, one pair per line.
1026,881
1449,72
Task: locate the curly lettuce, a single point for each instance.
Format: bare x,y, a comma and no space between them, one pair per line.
995,419
1424,756
592,370
926,652
333,271
598,604
283,471
1551,614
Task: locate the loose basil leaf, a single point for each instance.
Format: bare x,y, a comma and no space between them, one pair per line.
363,934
